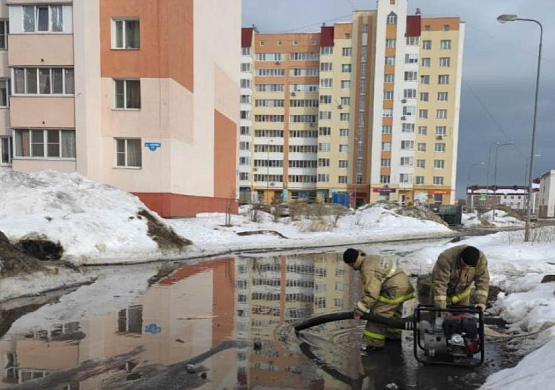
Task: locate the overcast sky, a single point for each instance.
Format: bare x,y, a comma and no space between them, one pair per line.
498,76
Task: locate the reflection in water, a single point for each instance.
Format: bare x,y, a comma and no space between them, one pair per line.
230,317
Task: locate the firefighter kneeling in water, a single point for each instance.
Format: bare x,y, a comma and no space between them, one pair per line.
386,287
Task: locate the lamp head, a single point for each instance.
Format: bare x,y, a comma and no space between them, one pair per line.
507,18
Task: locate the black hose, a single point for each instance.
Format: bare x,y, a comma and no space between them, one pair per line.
397,323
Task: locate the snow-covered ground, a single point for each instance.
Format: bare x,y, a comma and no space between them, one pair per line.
501,220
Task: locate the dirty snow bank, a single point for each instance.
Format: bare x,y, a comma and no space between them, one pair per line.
93,222
502,220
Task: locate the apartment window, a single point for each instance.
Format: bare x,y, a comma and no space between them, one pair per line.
270,72
386,162
445,62
325,115
126,34
438,180
386,146
4,93
344,117
413,41
305,56
326,83
270,57
43,18
303,87
427,27
325,99
387,112
244,176
439,164
388,95
426,62
269,87
387,129
441,114
391,19
407,145
343,164
324,147
245,130
295,43
323,162
326,51
445,27
408,128
411,76
425,79
245,67
409,110
128,94
409,93
385,179
427,45
442,96
345,101
389,78
424,96
421,147
313,42
323,178
244,145
406,161
347,51
411,58
45,143
342,179
346,68
246,115
280,43
443,79
326,67
343,132
343,148
128,153
441,131
445,44
419,180
390,60
345,84
422,130
4,28
421,163
405,178
440,147
245,51
6,150
390,43
363,68
261,43
423,114
43,81
246,83
324,131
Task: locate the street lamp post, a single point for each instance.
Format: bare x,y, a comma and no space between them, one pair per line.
512,18
359,144
495,174
468,182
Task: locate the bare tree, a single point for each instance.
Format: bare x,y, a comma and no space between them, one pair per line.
229,203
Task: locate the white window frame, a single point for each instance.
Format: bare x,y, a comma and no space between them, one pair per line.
419,180
25,69
439,164
421,147
124,108
438,180
44,144
36,13
445,44
438,148
124,33
6,32
421,163
8,85
126,153
443,96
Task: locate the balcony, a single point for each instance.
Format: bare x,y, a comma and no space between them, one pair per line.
41,50
42,111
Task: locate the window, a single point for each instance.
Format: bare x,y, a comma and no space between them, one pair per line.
413,41
420,180
411,58
427,27
245,51
346,101
326,67
344,117
409,110
43,81
45,143
424,96
407,145
406,161
326,51
440,147
343,148
445,62
386,146
345,84
325,115
390,43
295,43
323,162
305,56
324,131
130,320
423,114
280,43
243,145
326,83
343,132
421,163
405,178
427,45
324,147
309,118
303,87
389,78
409,93
443,79
244,176
441,114
347,51
6,150
445,27
388,112
385,179
323,178
363,68
270,102
4,92
126,34
343,164
346,68
438,180
325,99
270,57
245,130
421,147
408,128
445,44
442,96
245,115
422,130
387,129
270,72
261,43
441,131
426,62
386,162
269,87
411,76
425,79
4,34
246,83
390,60
43,18
128,94
245,67
388,95
439,164
313,42
391,19
342,179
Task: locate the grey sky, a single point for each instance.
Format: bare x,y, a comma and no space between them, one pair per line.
499,71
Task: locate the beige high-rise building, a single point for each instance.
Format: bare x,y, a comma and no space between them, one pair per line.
367,109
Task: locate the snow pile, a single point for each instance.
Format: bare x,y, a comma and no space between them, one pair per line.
502,219
93,222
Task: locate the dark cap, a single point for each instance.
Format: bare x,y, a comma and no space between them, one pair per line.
470,255
350,255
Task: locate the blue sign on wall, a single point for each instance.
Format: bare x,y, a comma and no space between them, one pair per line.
153,145
153,328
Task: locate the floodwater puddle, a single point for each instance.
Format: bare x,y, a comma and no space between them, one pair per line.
222,323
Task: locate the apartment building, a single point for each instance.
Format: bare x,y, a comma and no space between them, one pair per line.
137,94
365,110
